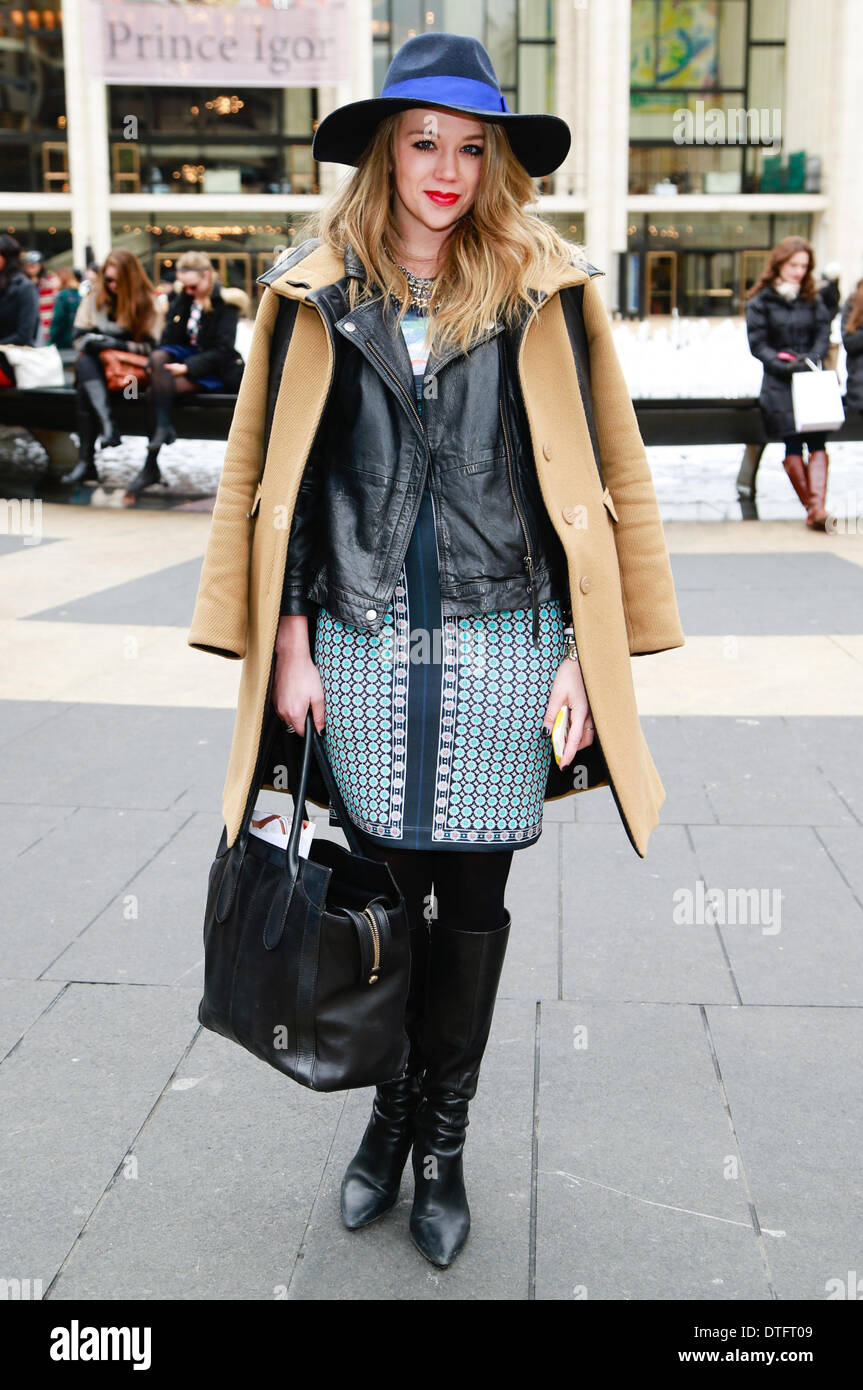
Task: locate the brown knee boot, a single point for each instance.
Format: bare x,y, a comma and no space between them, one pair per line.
817,515
796,470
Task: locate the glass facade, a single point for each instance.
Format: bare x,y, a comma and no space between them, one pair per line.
700,264
189,140
723,63
33,152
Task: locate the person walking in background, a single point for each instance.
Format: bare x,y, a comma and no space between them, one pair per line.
47,285
19,305
828,288
852,338
786,322
65,308
196,353
119,312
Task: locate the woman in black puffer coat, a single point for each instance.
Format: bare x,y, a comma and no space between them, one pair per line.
852,337
787,321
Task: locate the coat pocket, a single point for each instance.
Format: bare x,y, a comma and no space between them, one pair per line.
607,499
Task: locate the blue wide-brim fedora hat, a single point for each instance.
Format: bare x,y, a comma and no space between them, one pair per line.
451,70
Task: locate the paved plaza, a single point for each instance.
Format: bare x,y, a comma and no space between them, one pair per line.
669,1105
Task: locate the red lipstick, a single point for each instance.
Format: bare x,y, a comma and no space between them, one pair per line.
443,200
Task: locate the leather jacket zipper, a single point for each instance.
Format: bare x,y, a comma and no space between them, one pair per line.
388,369
390,373
528,559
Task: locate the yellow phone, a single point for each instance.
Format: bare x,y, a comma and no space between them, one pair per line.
560,733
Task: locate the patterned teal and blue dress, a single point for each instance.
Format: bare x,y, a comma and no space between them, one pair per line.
433,724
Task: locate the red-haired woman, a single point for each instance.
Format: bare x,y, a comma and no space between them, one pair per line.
120,312
787,321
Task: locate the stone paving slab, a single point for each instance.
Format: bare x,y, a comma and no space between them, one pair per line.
56,888
620,939
728,593
816,955
165,598
22,1002
792,1077
228,1165
634,1145
130,756
760,771
79,1086
151,932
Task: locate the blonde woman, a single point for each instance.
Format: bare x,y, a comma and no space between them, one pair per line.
196,353
429,526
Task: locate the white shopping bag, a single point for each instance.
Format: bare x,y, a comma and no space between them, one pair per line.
817,401
35,366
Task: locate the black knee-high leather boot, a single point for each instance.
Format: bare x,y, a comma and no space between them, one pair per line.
372,1179
97,394
464,973
85,469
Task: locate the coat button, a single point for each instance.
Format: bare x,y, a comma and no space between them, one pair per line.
546,449
584,584
569,514
371,614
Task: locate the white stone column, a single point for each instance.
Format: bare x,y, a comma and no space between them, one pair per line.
87,136
571,94
841,231
607,135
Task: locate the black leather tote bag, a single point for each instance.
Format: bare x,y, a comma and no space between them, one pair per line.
307,960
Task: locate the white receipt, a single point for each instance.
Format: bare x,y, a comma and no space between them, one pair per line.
275,829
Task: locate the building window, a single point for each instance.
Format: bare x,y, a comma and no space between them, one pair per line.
202,140
33,153
707,80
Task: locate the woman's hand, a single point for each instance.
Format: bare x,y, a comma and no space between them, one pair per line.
568,689
177,368
296,682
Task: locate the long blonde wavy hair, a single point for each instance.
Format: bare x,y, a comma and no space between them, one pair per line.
494,255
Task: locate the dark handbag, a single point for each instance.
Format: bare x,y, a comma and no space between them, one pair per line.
307,960
121,367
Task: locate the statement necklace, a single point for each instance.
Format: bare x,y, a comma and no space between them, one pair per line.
419,287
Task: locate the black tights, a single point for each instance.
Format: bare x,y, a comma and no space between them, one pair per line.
468,884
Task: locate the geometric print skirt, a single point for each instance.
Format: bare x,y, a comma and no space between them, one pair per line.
433,723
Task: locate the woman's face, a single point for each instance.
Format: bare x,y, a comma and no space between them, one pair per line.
195,282
109,278
795,268
437,158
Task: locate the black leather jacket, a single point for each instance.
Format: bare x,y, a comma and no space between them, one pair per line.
360,493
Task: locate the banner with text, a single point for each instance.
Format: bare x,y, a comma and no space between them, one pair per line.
305,43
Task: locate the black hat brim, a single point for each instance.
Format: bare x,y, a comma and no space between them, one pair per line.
540,142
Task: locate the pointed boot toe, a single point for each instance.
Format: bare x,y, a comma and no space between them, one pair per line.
372,1180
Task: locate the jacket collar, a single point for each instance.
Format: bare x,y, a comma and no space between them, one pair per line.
299,276
320,277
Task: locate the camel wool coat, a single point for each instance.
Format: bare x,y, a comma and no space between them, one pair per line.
621,589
